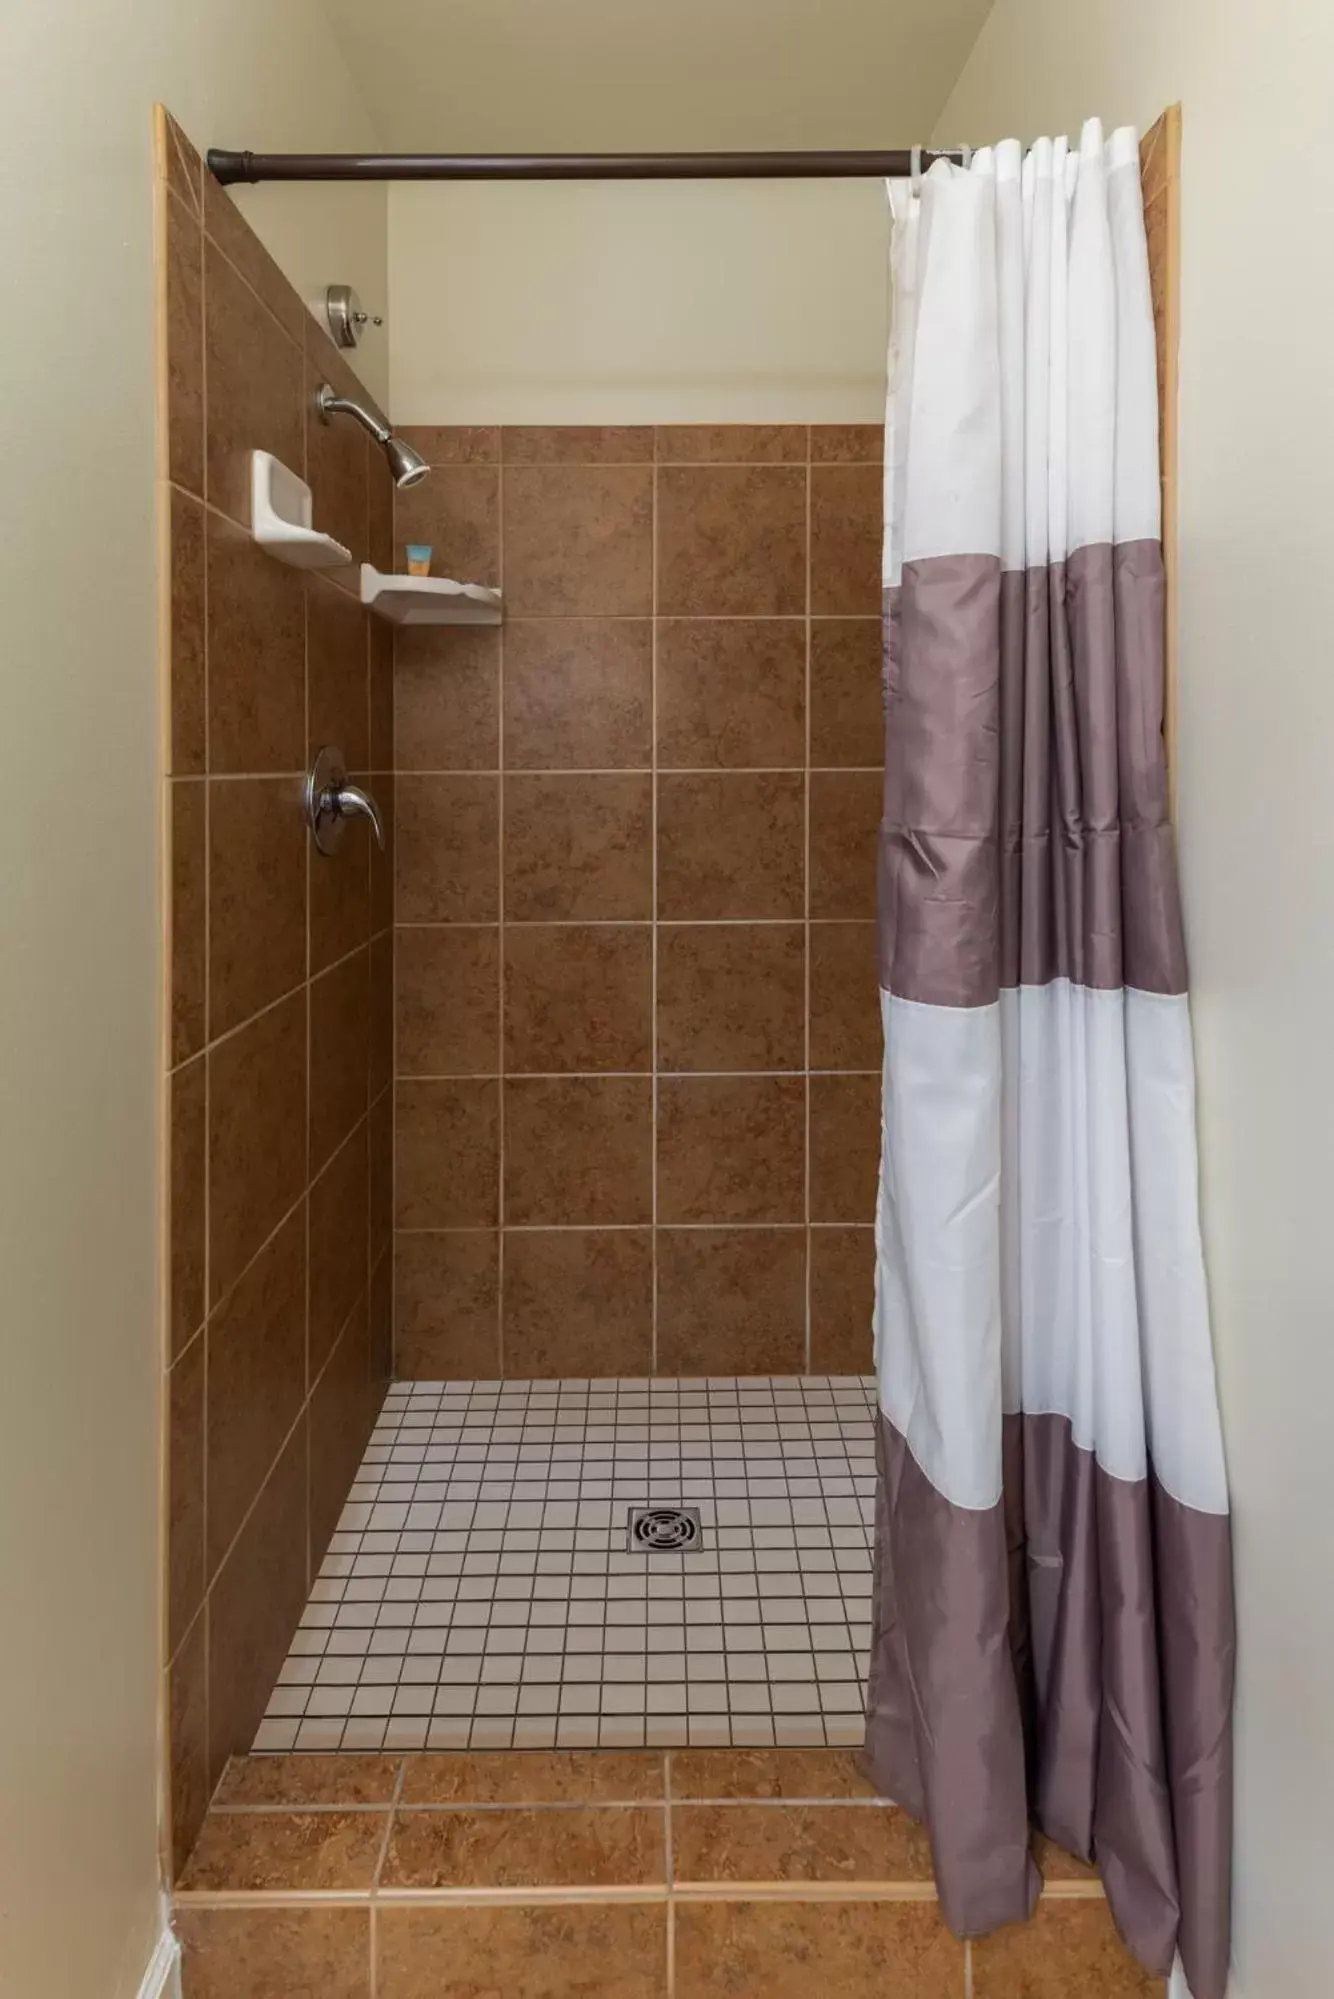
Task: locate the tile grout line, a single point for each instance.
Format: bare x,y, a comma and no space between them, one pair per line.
502,1107
653,921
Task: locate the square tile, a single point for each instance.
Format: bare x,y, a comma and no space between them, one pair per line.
845,997
446,698
456,512
844,1147
578,998
731,1149
731,693
578,1151
732,1299
730,846
731,996
447,852
447,984
578,1301
731,541
847,699
578,848
842,1262
579,540
845,808
847,531
578,693
447,1154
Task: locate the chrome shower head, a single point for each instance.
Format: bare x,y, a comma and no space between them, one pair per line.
408,466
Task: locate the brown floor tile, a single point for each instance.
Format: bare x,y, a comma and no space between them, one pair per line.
730,846
786,1950
1055,1864
340,1047
274,1953
845,997
257,1135
447,856
256,656
578,999
446,1311
845,822
189,873
585,1846
578,1150
578,693
448,1000
533,1777
585,1951
731,997
787,1842
1066,1948
731,443
731,693
188,696
285,1850
847,704
257,896
446,698
447,1150
578,1302
731,1149
731,541
457,513
846,534
577,444
293,1781
731,1301
189,1153
578,848
256,1379
845,1147
579,540
338,666
847,443
768,1773
842,1300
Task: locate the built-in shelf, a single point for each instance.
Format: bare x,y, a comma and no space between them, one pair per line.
428,600
281,516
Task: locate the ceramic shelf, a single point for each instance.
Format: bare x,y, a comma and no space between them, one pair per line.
280,518
428,600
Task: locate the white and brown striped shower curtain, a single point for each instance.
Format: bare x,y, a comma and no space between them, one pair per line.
1053,1637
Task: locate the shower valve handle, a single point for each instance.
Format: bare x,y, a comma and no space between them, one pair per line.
330,801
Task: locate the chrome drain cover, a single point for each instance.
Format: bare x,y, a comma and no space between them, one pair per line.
664,1530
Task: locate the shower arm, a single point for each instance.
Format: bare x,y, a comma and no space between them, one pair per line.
330,404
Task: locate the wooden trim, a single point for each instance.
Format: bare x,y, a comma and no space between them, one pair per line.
1160,177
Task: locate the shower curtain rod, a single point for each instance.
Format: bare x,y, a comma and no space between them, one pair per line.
230,167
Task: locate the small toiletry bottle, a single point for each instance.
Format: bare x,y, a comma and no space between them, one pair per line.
419,558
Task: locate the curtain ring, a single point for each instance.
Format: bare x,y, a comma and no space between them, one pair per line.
916,170
965,157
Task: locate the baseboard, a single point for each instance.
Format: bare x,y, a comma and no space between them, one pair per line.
162,1980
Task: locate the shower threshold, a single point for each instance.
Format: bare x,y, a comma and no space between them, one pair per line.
481,1590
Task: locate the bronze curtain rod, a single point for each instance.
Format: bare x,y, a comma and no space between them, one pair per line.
228,167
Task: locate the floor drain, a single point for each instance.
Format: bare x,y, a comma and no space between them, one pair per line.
664,1530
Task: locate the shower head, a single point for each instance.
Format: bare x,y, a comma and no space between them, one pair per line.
408,466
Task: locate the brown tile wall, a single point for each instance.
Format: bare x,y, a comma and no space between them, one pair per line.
281,984
636,1004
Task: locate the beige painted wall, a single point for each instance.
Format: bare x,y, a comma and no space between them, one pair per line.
1257,725
79,929
639,302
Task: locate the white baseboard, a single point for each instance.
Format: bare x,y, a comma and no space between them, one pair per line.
162,1980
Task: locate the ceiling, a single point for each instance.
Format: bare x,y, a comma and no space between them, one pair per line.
653,75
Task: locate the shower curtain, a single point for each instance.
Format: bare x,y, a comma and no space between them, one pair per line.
1053,1636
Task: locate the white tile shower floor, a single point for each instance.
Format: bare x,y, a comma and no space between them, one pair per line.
480,1591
